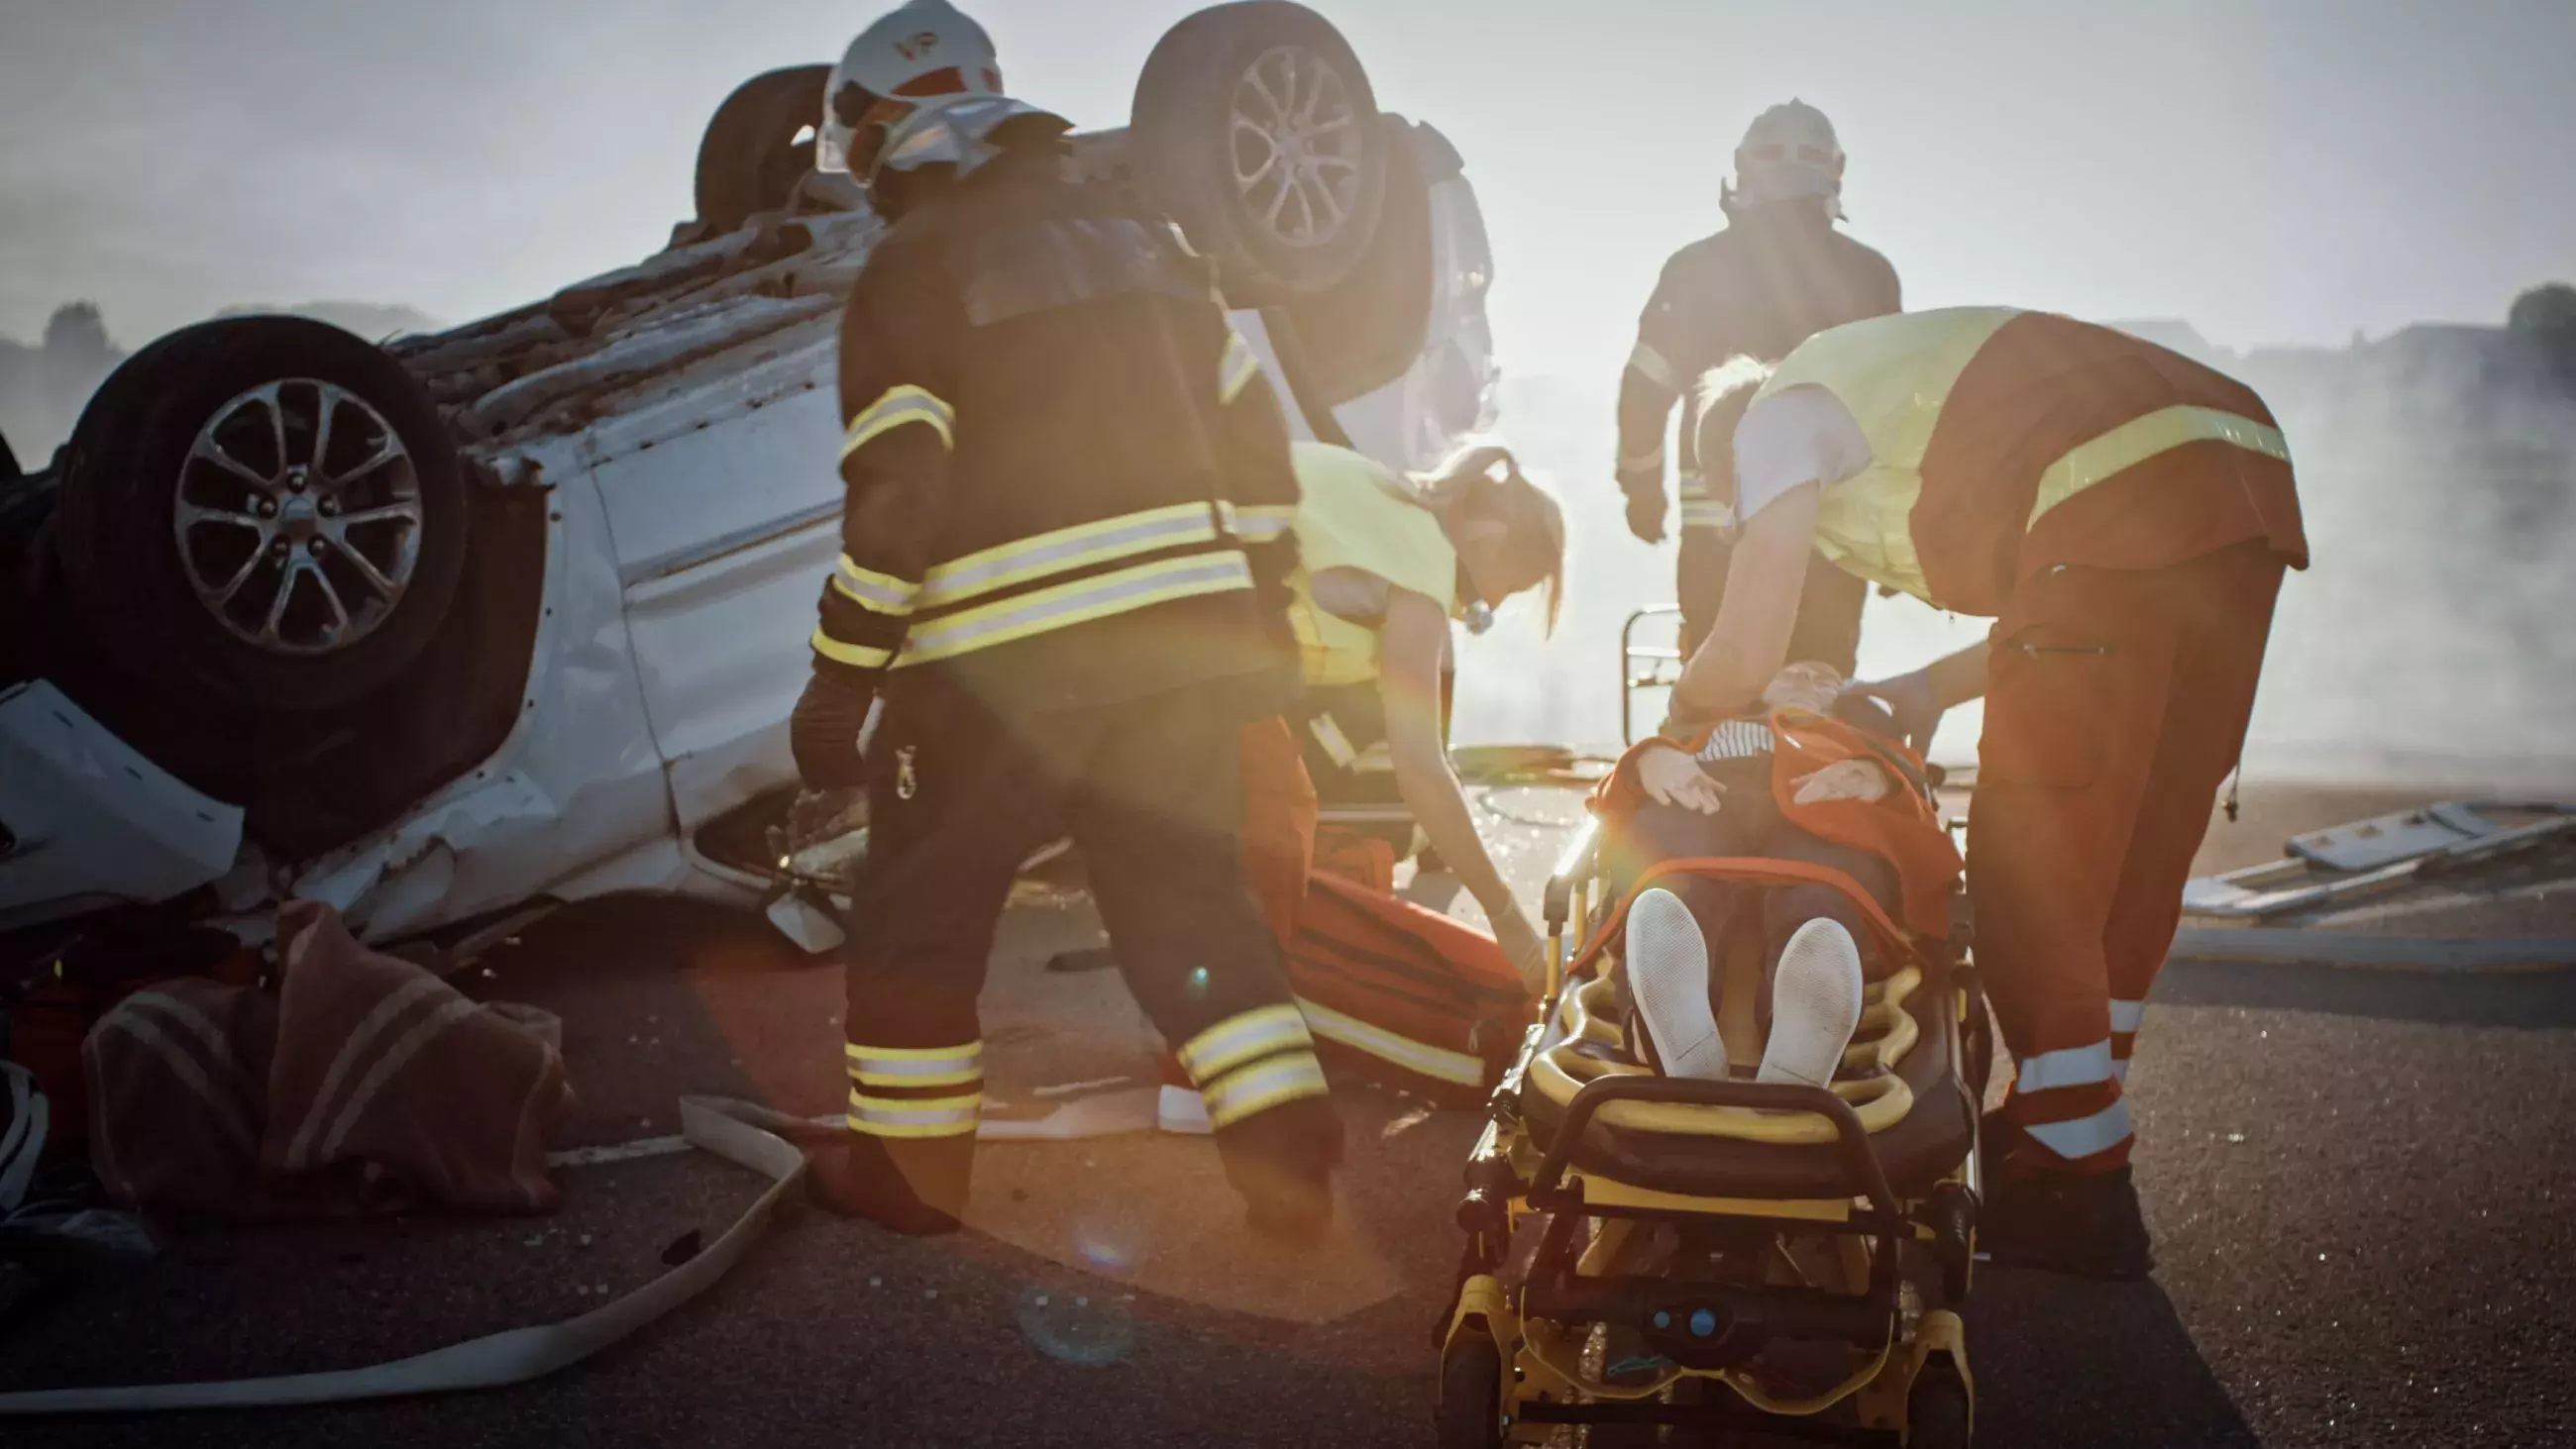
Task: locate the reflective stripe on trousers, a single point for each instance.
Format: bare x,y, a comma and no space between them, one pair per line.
1253,1061
915,1091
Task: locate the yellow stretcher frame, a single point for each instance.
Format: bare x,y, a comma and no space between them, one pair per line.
1514,1369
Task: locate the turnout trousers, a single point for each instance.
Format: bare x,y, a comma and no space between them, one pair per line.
2116,705
1151,792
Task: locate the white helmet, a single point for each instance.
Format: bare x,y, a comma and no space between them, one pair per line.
1789,151
917,51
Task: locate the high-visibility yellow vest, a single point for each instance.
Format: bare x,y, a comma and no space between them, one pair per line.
1355,513
1896,375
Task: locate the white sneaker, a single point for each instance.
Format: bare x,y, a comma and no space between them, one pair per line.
1182,1110
1815,1005
1668,971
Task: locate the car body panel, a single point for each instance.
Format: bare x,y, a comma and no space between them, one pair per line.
682,417
89,821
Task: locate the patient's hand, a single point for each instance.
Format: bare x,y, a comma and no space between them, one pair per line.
1671,777
1860,780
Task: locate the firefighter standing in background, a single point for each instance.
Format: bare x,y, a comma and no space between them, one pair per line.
1065,552
1778,274
2124,514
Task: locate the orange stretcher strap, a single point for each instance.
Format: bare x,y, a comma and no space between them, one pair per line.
1756,870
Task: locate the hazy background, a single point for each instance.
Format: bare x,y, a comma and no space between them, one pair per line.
2282,175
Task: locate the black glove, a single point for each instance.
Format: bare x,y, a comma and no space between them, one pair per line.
823,733
1646,514
1910,703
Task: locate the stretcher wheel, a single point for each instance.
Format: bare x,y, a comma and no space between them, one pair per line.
1938,1412
1471,1393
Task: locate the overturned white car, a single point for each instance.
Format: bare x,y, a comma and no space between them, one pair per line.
515,614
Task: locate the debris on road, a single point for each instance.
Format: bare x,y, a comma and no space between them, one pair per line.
748,1135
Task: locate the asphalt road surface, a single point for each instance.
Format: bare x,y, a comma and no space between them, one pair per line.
2360,1185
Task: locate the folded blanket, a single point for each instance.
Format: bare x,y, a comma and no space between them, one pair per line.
364,1084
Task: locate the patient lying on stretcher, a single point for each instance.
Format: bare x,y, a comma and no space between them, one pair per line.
1788,782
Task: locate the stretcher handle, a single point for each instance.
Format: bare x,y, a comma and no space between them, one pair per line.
1556,904
1860,1160
1628,656
1572,869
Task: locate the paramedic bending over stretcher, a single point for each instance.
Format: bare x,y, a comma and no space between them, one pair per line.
1384,563
2124,514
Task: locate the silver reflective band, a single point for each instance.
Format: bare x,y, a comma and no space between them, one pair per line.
1261,523
1241,1038
2120,1070
1707,513
1649,364
2074,1067
1263,1085
1336,745
926,1117
1403,1051
882,592
2085,1136
1065,549
1066,605
897,406
916,1074
915,1066
2128,1016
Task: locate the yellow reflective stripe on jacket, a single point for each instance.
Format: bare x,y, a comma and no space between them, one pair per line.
857,656
1240,1038
2139,439
1064,550
1236,370
915,1116
988,625
901,404
1386,1046
915,1066
1262,1086
879,591
1262,522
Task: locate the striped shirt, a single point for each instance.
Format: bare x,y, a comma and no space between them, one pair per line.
1736,739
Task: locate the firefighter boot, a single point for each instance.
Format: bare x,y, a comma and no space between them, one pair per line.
915,1186
1281,1161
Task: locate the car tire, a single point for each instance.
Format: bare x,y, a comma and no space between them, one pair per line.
10,472
758,145
222,542
1255,128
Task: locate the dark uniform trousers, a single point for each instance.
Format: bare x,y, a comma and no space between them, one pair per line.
1829,606
1151,792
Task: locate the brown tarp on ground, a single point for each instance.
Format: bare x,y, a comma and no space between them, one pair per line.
363,1084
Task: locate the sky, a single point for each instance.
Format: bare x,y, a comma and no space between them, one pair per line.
2272,171
2275,171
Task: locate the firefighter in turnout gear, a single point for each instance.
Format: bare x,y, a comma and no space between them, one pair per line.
2124,514
1778,274
1065,554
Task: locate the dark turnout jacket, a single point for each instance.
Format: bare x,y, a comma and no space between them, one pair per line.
1774,277
1068,483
